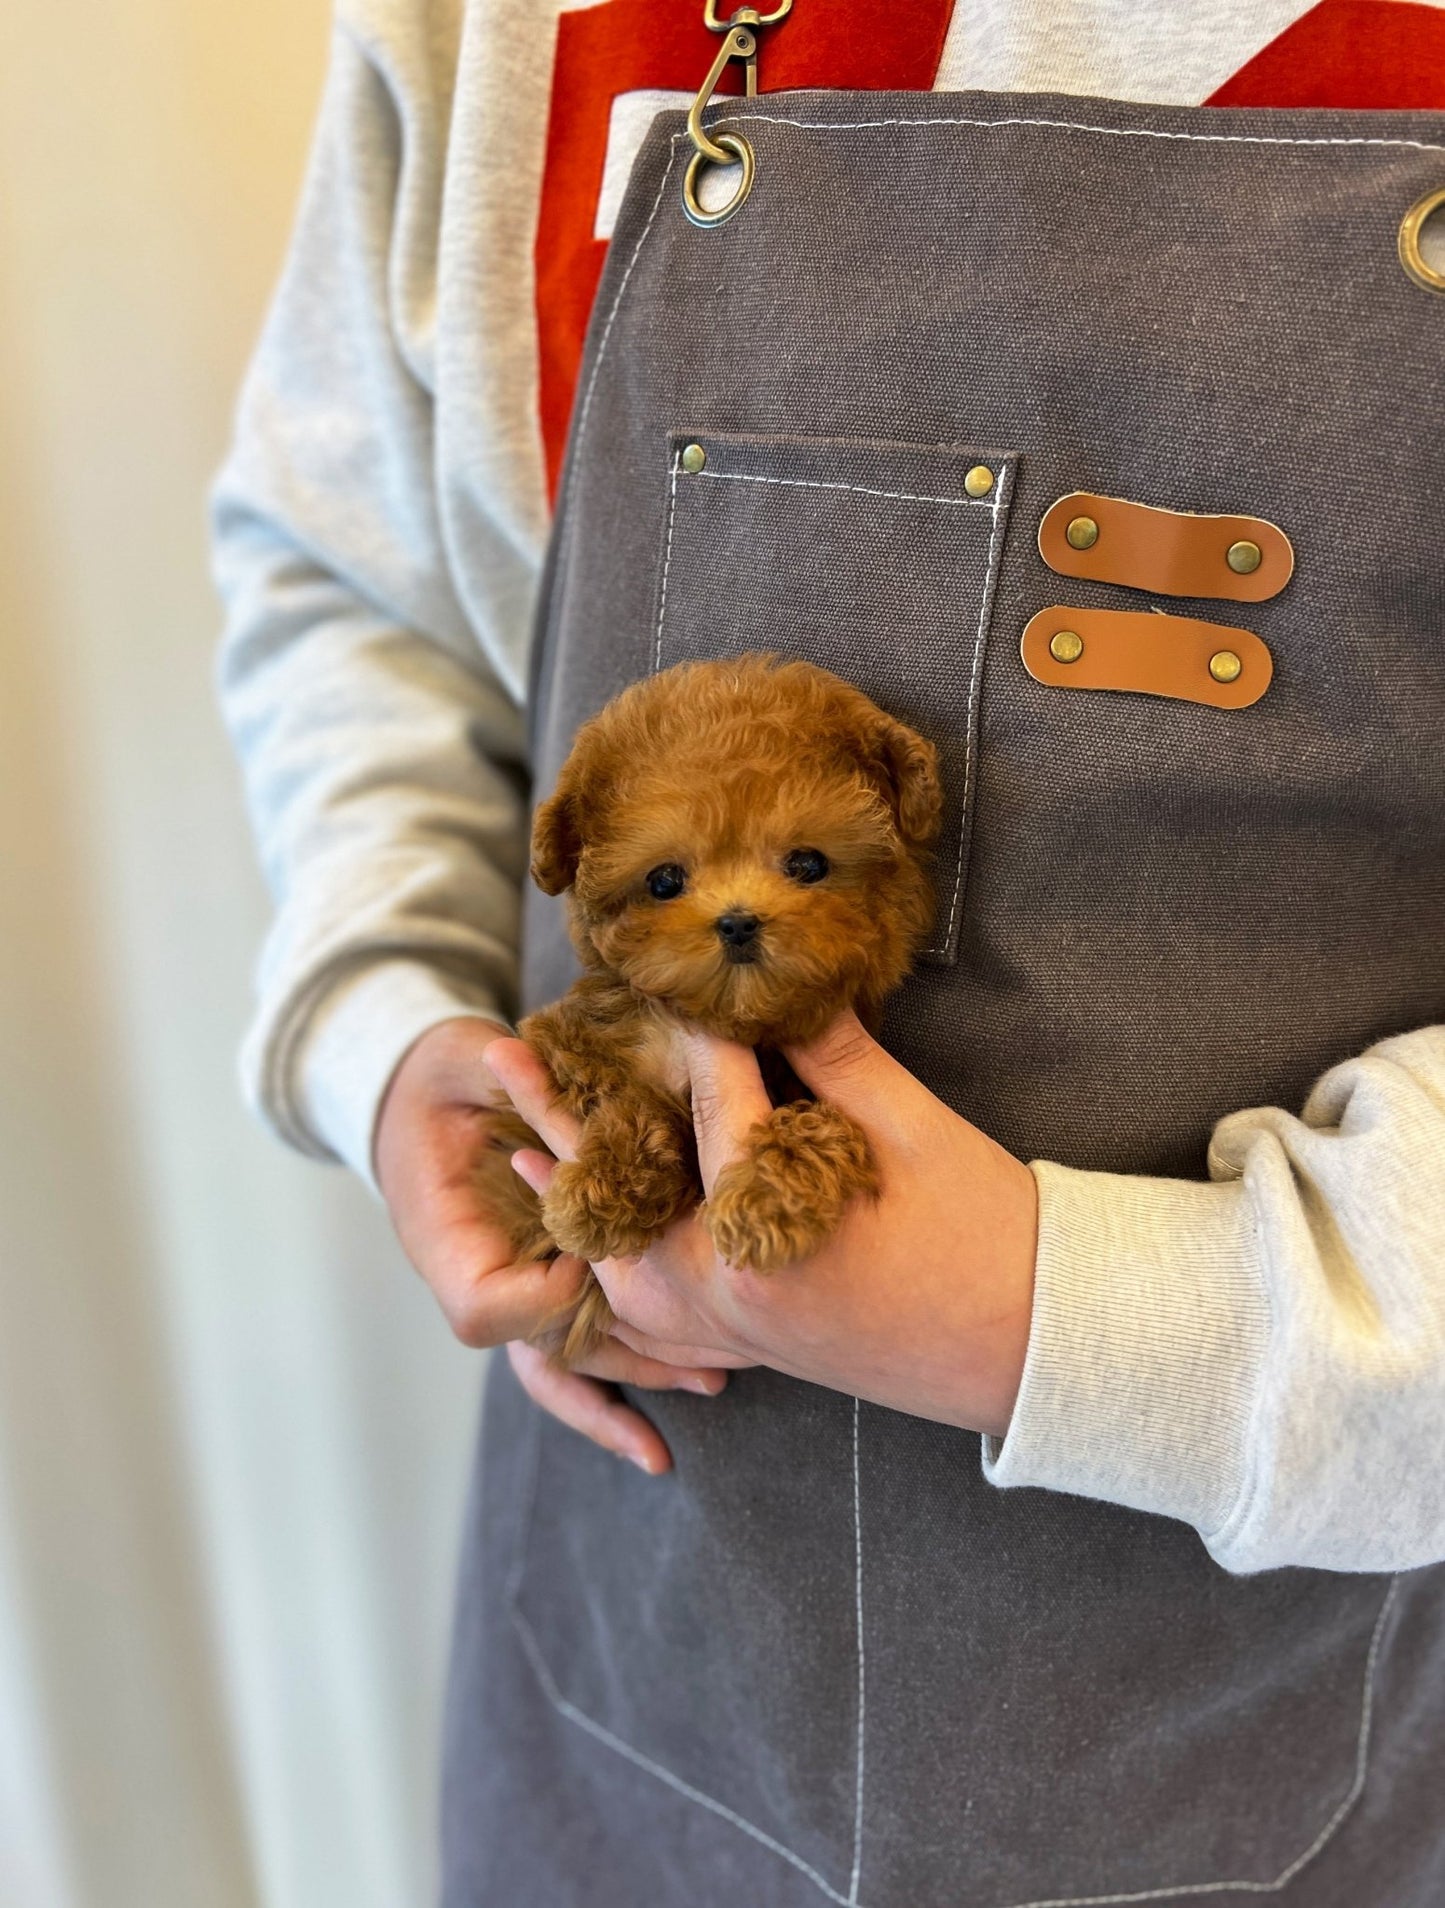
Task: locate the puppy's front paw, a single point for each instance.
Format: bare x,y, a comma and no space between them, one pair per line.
632,1178
587,1212
785,1196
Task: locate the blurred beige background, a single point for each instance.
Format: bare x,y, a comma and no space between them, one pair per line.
232,1432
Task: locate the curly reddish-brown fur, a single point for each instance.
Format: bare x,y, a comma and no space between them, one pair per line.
784,1194
723,770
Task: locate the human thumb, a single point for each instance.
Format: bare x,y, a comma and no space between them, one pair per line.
846,1067
728,1099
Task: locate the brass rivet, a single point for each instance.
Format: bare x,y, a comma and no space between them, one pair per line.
1225,666
1067,646
1082,533
1244,558
979,481
693,459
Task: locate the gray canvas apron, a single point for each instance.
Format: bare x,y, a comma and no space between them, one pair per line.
825,1660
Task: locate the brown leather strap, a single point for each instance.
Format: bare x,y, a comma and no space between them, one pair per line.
1149,653
1110,540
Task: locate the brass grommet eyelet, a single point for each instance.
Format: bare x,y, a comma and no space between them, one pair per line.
692,205
1412,257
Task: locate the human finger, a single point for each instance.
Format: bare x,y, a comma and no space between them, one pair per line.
535,1168
591,1407
529,1086
515,1301
846,1067
694,1357
728,1099
635,1282
622,1364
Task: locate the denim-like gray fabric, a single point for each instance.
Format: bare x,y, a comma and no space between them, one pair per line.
824,1659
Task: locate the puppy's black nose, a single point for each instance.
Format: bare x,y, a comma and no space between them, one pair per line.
738,934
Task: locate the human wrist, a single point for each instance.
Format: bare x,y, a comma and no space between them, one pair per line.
356,1039
999,1339
1148,1337
442,1073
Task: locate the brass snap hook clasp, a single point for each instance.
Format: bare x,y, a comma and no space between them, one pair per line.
740,42
745,16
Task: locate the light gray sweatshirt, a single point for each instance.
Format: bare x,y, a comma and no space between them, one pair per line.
1262,1354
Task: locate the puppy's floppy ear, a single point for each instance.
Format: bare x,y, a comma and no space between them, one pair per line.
907,767
557,838
556,842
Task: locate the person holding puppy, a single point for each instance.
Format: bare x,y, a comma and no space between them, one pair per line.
1069,1526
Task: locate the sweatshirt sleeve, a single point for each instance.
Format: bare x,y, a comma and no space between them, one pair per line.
383,755
1262,1356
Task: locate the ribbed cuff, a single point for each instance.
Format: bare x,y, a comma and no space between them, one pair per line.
1148,1338
358,1036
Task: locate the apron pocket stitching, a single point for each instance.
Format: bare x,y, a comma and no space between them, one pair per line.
538,1664
570,1712
861,490
573,1714
858,1605
1286,1875
970,735
942,943
666,561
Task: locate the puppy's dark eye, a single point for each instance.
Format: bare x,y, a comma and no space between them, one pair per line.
667,882
806,864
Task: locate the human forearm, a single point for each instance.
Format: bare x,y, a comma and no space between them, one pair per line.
383,751
1263,1357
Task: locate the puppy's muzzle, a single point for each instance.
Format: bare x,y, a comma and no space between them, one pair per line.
739,934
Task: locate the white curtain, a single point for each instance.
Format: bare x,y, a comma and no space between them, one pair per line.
233,1431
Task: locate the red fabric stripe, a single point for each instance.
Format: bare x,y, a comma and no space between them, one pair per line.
1342,53
629,44
1360,53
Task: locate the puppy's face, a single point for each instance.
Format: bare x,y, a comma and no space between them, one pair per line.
745,844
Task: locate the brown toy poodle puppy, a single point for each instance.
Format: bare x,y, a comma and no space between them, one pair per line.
745,848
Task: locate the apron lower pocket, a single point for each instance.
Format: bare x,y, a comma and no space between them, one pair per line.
876,560
828,1632
1070,1702
704,1625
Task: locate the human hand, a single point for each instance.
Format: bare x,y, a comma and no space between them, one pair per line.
922,1299
433,1124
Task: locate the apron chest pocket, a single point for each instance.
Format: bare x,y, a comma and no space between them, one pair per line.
876,560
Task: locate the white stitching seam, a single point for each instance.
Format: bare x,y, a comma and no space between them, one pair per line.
602,342
559,1702
585,409
818,483
985,602
524,1629
850,1900
970,749
858,1602
606,1737
1069,125
666,565
1287,1875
